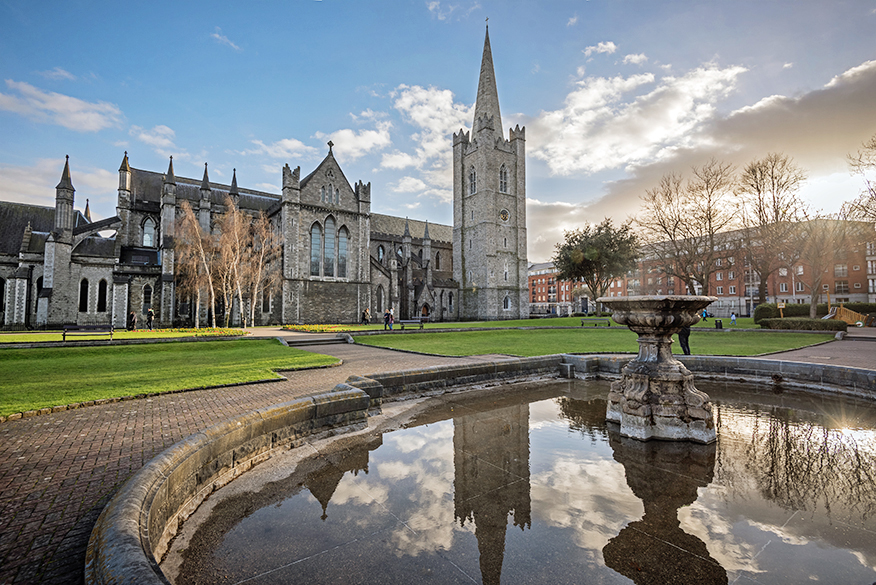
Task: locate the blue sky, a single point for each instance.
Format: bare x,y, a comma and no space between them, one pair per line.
613,94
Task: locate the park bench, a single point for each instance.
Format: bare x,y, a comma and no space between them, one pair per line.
596,322
419,322
87,330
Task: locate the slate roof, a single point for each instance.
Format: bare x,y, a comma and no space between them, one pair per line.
146,186
395,226
14,218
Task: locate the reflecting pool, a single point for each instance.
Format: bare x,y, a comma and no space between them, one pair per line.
529,484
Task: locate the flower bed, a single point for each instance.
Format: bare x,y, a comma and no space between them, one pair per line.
318,328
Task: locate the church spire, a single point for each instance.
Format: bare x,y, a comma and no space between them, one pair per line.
170,178
487,104
66,183
205,182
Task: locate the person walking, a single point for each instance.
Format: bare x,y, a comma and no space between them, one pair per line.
368,316
150,318
733,318
132,321
386,317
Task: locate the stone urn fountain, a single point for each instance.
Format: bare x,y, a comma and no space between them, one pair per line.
656,397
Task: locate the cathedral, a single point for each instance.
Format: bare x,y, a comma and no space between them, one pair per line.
337,259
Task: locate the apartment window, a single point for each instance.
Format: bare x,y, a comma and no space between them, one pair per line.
720,290
840,270
719,276
732,289
783,287
718,262
799,270
783,272
799,287
731,275
841,287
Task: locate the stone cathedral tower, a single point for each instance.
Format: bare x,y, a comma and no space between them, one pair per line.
489,210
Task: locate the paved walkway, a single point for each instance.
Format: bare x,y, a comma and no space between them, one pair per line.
57,471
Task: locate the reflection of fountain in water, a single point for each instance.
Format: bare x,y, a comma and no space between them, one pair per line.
665,476
656,397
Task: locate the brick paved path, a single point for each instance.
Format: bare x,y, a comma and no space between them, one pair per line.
57,471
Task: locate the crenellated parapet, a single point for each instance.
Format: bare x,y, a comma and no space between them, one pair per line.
461,137
484,123
517,133
291,184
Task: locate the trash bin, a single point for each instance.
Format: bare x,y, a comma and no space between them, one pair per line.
719,324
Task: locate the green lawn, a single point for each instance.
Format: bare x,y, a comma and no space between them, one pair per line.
741,323
585,340
44,377
34,337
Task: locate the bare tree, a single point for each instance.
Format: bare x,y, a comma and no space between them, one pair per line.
195,252
263,261
683,223
234,241
823,241
864,163
770,207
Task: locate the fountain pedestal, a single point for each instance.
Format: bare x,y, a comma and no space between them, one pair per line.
656,397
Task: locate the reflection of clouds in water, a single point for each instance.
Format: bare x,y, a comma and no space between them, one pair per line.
863,560
710,526
591,498
350,491
435,435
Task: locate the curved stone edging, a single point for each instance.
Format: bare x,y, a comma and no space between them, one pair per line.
135,528
138,523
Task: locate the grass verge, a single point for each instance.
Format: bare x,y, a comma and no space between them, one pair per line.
44,377
34,337
584,340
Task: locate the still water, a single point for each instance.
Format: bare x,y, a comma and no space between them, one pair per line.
529,484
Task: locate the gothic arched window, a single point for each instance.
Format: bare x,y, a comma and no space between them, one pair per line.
322,194
101,296
83,295
149,233
472,181
506,304
437,260
343,237
147,298
503,179
328,257
315,248
381,253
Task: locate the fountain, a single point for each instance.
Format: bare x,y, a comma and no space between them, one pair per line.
656,397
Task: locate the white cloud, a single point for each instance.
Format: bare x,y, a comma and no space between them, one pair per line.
35,184
56,108
409,185
572,21
817,129
268,187
443,10
607,124
287,148
223,40
787,65
57,73
350,144
637,59
436,116
161,138
606,47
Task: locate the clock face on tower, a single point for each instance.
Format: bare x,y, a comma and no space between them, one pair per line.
504,215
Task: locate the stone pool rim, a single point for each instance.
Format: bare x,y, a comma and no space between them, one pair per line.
140,520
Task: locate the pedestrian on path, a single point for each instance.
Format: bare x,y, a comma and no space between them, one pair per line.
150,318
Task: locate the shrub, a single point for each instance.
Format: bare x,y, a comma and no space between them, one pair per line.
801,324
770,311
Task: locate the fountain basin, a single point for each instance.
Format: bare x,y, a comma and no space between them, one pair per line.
656,397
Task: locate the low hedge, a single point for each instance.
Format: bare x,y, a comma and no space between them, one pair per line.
801,324
771,311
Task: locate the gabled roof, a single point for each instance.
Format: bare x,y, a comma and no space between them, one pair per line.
395,226
329,160
14,217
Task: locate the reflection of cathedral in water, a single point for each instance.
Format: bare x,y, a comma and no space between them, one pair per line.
491,463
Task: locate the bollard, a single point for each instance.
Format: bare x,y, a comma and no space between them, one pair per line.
718,324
